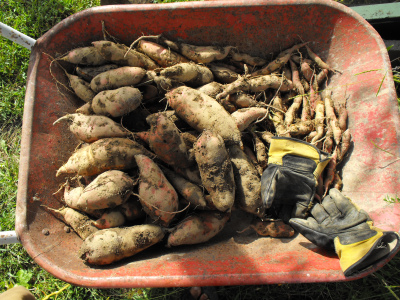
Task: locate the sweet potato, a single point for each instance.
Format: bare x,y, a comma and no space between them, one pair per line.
331,116
156,194
119,54
272,228
117,103
166,142
252,157
110,245
215,169
103,155
317,59
189,73
319,121
223,74
163,83
85,109
92,128
110,218
345,144
211,89
88,73
248,59
306,71
245,116
107,190
117,78
84,56
279,62
203,112
163,56
258,84
198,54
78,221
243,100
192,193
291,113
247,182
198,228
81,88
192,173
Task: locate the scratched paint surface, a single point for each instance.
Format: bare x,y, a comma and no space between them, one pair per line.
260,28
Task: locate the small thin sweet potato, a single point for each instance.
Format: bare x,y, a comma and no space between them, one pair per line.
110,245
243,100
116,78
248,59
117,102
198,228
103,155
92,128
156,194
272,228
215,169
203,112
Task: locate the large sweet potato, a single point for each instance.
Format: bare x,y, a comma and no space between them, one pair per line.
203,112
109,245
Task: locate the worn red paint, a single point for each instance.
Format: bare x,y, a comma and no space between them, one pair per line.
339,36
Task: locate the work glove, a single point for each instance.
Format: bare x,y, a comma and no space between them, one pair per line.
289,182
339,225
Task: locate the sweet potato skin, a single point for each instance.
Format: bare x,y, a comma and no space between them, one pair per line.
215,170
203,112
110,245
157,196
102,155
198,228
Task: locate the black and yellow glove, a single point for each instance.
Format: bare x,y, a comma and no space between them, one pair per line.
339,225
289,182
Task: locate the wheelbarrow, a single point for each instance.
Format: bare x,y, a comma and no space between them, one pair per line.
370,173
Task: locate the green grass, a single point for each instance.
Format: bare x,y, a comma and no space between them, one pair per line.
34,18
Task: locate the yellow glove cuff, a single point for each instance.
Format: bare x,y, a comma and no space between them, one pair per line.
354,253
280,147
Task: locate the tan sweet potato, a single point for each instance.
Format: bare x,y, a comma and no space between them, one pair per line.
119,54
85,109
189,73
163,56
110,245
92,128
116,78
223,74
203,112
88,73
247,182
84,56
117,103
248,59
107,190
211,89
192,193
156,194
245,116
215,170
198,228
81,88
78,221
198,54
243,100
103,155
257,84
109,219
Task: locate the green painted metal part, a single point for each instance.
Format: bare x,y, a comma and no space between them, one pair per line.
378,11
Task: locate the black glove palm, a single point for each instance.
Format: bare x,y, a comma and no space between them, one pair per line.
338,224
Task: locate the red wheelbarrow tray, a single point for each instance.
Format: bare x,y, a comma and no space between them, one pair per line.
262,28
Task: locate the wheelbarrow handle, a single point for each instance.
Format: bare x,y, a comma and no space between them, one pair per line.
8,237
16,36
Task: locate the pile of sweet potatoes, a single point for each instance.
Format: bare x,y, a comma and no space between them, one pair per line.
174,137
